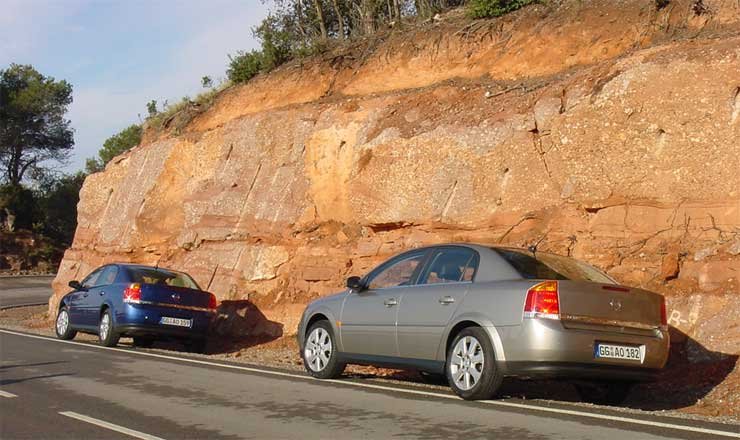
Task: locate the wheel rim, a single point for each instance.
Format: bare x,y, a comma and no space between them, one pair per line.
104,326
62,322
466,365
318,349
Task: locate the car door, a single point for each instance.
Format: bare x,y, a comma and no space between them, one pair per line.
427,309
97,294
79,301
368,318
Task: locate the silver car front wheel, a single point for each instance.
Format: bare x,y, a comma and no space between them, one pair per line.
320,352
318,349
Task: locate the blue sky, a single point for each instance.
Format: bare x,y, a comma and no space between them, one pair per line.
118,55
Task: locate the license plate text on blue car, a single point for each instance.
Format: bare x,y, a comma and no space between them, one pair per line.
176,321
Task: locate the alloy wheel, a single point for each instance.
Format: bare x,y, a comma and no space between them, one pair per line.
466,365
318,349
104,326
62,322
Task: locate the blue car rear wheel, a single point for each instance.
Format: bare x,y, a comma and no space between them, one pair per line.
106,331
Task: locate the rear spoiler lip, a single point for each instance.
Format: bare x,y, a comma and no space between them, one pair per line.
610,322
176,306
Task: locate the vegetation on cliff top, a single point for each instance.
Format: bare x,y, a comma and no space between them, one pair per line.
296,29
128,138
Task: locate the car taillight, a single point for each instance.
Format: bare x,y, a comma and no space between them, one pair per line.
132,293
663,314
543,301
212,303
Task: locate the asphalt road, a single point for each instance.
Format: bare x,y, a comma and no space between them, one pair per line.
32,290
55,389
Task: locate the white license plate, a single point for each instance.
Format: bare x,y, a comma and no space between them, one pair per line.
613,351
176,321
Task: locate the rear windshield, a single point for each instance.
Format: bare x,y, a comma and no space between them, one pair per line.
552,267
162,277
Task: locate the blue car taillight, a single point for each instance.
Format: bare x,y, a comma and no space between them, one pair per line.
132,294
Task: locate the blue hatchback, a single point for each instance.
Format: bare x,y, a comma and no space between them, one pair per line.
143,302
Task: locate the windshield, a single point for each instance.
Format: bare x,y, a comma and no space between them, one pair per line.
162,277
552,267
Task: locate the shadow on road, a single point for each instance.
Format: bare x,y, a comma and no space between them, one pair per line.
4,382
38,364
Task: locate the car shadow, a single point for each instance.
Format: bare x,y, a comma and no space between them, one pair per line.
240,324
691,373
38,364
4,382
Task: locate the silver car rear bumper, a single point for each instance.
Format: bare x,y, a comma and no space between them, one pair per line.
546,347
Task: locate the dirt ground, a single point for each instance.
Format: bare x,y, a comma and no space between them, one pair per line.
700,391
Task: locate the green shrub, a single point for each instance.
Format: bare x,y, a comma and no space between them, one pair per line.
276,43
113,146
495,8
244,66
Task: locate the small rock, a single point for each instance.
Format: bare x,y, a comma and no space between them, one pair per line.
735,248
704,253
342,237
670,268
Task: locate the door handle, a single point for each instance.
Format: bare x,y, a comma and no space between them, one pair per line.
390,302
84,295
102,293
446,300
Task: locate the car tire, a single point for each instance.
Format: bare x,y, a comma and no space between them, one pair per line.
604,392
63,326
143,341
471,367
106,330
320,356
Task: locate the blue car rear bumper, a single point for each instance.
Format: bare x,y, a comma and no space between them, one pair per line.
146,320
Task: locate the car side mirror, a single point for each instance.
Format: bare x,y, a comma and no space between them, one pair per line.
76,285
355,283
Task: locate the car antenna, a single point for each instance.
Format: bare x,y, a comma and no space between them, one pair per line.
533,247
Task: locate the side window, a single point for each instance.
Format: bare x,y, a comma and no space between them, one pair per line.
398,273
451,266
91,280
108,276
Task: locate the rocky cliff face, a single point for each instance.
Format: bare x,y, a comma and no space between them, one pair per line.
607,131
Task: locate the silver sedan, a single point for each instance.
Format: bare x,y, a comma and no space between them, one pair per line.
474,314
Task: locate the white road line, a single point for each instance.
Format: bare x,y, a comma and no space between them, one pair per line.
6,394
403,390
111,426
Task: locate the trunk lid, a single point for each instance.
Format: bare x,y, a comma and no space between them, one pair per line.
609,304
175,296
